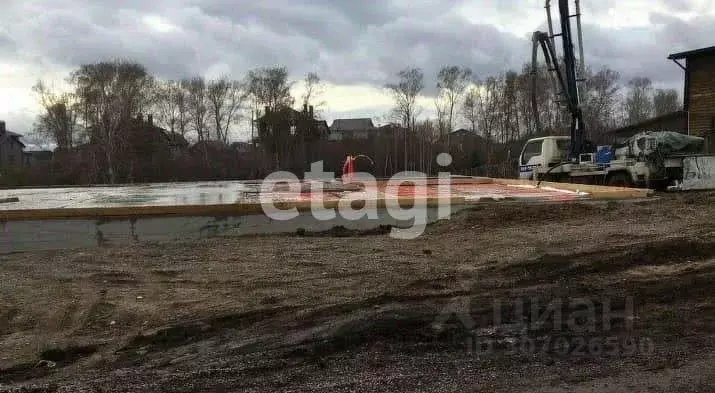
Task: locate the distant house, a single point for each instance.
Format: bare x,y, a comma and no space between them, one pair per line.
361,128
148,136
176,142
468,148
11,148
284,126
463,139
463,133
209,147
241,147
149,150
36,157
390,129
322,128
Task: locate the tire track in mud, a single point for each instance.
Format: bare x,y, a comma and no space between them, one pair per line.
412,322
374,325
549,267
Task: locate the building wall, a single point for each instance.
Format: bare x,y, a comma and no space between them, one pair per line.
11,153
701,103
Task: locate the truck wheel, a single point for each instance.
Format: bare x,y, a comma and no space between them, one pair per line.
659,185
619,179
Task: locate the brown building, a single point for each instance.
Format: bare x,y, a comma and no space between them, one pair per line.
699,87
361,128
699,91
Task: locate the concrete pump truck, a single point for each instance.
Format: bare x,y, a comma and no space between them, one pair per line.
658,160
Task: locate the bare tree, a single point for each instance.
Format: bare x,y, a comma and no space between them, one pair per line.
508,107
405,93
488,108
665,101
313,90
601,101
112,93
470,107
451,82
172,107
198,106
270,87
523,98
442,113
639,105
225,100
59,119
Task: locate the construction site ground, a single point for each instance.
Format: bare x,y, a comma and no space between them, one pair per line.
345,312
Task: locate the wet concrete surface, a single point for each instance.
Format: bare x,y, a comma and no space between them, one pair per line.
242,192
55,218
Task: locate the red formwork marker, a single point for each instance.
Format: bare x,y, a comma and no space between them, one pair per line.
348,169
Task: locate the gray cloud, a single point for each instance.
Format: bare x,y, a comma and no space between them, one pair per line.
5,40
7,46
345,41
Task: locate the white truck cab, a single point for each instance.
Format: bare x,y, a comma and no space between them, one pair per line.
544,152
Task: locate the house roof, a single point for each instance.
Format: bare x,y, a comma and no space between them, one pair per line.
693,53
173,138
14,136
462,131
213,145
352,124
390,125
323,125
39,153
284,109
677,115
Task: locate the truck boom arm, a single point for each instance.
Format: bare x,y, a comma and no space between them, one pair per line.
566,80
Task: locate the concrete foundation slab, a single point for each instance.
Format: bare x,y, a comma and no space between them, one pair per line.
73,217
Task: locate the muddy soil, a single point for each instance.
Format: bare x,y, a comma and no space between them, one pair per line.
585,297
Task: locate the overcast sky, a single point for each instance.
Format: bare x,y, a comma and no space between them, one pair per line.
356,46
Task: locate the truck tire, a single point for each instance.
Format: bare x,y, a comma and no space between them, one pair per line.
659,185
619,179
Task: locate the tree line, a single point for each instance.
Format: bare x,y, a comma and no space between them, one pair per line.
500,107
105,97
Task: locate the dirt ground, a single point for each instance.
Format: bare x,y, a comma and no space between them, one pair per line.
347,312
